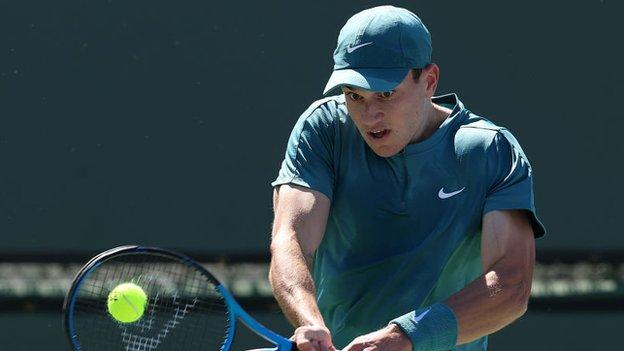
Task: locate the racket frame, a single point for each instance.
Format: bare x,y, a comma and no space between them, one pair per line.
236,312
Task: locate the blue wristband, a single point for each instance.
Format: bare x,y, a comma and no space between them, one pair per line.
432,328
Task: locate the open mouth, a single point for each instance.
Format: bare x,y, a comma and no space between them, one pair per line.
378,134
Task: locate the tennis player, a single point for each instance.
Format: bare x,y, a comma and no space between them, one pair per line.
403,221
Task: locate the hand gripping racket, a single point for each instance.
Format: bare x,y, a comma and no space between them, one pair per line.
187,309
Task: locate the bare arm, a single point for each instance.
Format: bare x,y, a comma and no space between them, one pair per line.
501,295
298,228
490,302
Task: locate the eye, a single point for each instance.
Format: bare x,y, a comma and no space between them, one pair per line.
353,96
386,94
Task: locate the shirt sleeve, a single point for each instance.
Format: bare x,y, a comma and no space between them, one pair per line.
308,161
510,179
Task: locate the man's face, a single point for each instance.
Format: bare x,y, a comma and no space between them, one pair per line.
388,121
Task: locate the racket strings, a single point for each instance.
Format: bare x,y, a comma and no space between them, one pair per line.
185,311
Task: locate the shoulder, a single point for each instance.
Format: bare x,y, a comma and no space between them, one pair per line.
319,125
480,136
326,111
479,143
482,145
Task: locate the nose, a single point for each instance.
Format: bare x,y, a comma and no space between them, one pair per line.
373,113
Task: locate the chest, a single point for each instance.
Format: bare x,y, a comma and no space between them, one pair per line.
419,187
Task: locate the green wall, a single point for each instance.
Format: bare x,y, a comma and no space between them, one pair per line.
163,123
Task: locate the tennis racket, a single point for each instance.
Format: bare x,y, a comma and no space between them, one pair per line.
187,309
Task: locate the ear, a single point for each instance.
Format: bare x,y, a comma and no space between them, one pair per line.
431,75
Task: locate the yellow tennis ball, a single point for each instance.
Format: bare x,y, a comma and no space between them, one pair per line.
126,302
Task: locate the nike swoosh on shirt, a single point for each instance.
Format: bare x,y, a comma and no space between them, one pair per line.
351,49
443,195
421,316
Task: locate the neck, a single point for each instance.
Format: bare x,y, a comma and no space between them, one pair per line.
441,113
436,116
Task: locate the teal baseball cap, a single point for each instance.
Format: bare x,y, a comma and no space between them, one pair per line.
377,48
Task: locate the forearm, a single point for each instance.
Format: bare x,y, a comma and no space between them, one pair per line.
489,303
292,282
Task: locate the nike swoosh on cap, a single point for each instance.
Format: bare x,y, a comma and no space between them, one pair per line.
443,195
351,49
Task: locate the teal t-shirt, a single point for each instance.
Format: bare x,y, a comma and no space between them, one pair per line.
403,232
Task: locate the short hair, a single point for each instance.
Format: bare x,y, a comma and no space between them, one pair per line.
416,73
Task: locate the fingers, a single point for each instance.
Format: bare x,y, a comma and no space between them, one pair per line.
312,345
313,338
356,346
352,347
385,339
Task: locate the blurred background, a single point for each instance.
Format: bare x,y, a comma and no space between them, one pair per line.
161,123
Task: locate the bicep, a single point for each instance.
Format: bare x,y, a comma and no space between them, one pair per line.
301,215
507,241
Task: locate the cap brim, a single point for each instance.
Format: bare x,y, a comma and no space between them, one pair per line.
373,79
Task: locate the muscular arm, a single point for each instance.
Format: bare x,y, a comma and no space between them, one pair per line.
501,295
298,228
490,302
